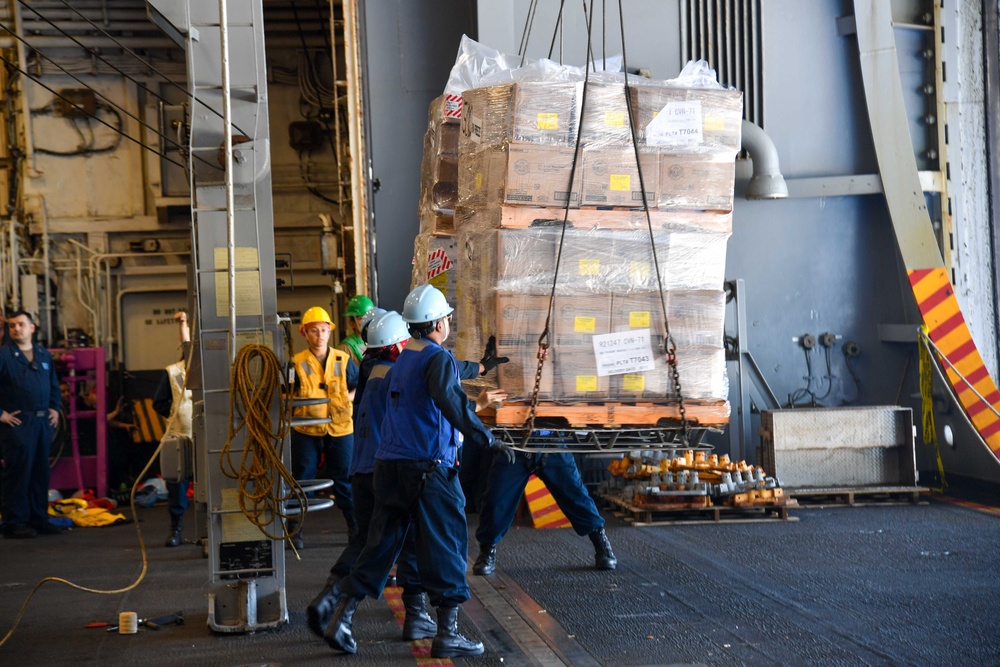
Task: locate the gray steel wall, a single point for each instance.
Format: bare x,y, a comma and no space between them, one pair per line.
410,48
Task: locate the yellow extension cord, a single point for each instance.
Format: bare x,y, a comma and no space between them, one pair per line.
265,484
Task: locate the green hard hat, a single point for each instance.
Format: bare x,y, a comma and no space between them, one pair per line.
358,306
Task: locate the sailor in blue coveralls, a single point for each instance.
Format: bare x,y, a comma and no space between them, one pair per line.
385,334
30,400
504,487
416,481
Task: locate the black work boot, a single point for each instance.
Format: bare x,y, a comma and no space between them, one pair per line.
321,608
486,561
418,624
604,557
174,539
338,633
448,643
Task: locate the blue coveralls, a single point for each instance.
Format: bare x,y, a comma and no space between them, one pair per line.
416,479
371,397
32,388
505,485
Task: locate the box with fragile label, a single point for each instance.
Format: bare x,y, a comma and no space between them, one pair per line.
696,182
689,119
579,318
533,112
611,177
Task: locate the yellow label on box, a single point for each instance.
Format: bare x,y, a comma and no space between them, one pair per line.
638,319
621,182
590,267
584,324
548,121
614,119
586,383
634,383
440,281
714,122
479,180
641,271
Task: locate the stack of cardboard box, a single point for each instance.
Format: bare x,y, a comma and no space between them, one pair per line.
435,258
517,150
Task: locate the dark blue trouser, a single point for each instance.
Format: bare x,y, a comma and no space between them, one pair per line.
25,451
177,498
505,486
363,493
336,451
426,499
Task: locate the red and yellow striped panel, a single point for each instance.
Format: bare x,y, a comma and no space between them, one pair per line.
545,513
947,328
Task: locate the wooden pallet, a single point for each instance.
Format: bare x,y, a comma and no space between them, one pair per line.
611,414
672,516
520,217
861,496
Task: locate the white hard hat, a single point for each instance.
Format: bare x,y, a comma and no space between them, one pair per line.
366,319
425,304
387,329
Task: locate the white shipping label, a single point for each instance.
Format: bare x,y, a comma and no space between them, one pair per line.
625,352
677,124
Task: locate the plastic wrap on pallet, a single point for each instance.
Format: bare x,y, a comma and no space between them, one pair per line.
518,174
439,172
544,113
435,261
687,120
497,215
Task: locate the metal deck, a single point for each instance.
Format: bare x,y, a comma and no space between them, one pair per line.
893,585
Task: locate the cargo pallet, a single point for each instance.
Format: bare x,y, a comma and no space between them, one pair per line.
703,414
861,496
681,516
521,217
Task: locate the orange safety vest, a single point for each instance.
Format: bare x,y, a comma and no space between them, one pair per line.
310,376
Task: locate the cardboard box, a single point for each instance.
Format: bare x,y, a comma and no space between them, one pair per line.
576,375
611,177
689,119
533,112
696,182
435,261
697,318
517,377
693,261
579,318
520,318
702,373
526,259
519,174
605,118
436,221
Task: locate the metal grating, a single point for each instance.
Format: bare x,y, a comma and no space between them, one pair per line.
727,34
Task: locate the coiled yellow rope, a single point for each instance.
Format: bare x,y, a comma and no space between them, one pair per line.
266,486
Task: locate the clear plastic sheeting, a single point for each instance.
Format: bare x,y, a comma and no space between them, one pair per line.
523,170
439,171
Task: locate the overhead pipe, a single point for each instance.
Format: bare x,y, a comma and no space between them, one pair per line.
767,181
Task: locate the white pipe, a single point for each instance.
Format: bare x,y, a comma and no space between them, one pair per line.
767,181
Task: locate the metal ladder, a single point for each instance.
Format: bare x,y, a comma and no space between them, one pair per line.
235,295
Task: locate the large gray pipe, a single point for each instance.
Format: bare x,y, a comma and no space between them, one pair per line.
767,181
